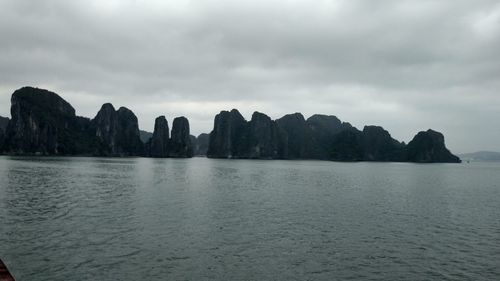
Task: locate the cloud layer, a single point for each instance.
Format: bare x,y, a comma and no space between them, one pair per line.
405,65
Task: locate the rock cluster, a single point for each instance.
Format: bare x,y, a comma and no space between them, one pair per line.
45,124
117,132
319,137
178,145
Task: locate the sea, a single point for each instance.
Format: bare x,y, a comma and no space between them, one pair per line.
83,218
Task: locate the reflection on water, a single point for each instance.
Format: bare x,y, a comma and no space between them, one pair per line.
68,218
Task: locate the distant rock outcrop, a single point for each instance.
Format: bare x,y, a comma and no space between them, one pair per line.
200,144
4,122
180,142
324,128
319,137
481,156
429,147
117,132
301,143
378,145
44,123
145,136
266,140
234,137
228,135
158,145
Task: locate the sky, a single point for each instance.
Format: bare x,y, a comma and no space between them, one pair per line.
405,65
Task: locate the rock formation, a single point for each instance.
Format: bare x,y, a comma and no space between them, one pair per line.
428,147
180,142
266,140
44,123
228,135
158,145
4,121
200,144
145,136
301,143
234,137
319,137
117,132
378,145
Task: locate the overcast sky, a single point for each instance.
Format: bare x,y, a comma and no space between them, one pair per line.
405,65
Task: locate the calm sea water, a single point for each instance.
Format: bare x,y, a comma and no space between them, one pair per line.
205,219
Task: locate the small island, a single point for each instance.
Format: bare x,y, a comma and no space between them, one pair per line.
43,123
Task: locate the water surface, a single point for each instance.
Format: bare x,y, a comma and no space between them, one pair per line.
205,219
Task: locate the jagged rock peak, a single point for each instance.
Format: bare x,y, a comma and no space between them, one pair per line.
42,123
41,99
429,146
117,132
227,135
159,142
200,144
378,145
180,141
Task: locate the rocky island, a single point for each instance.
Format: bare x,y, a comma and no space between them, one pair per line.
321,137
43,123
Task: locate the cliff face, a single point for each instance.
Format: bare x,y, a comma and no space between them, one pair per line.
266,140
200,144
180,142
158,144
234,137
4,122
228,135
301,143
378,145
319,137
429,146
43,123
117,132
324,136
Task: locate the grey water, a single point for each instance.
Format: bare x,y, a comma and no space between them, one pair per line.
205,219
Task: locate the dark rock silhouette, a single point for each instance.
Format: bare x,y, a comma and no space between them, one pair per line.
145,136
44,123
301,144
319,137
117,132
228,136
347,145
180,142
428,147
323,130
234,137
159,143
4,122
378,145
266,140
200,144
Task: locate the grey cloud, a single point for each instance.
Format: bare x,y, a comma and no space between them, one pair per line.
405,65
